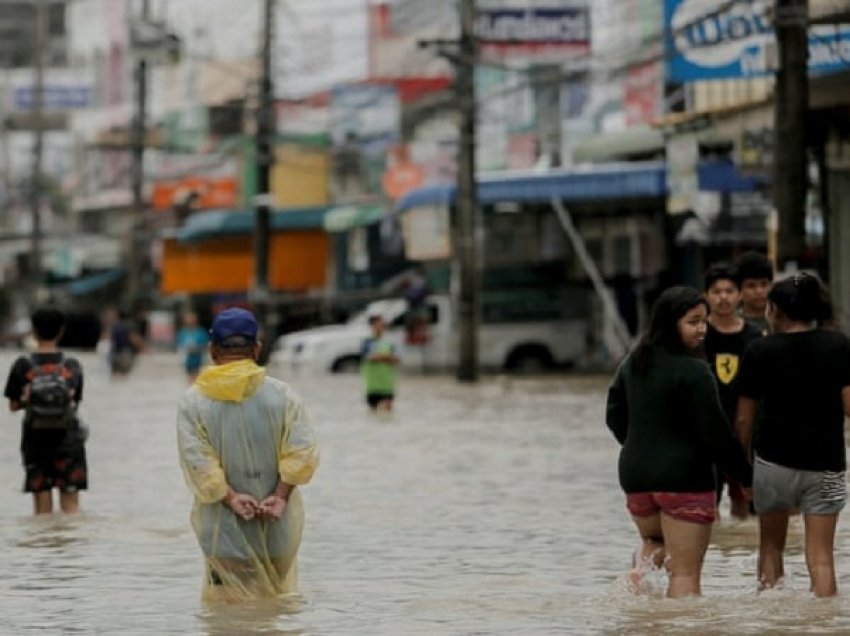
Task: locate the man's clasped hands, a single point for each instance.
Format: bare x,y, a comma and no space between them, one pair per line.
248,507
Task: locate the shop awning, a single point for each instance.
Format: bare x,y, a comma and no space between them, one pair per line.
643,142
216,223
93,282
697,232
346,217
724,176
597,182
613,146
634,180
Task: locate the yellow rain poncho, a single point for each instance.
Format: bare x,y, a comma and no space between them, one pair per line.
238,428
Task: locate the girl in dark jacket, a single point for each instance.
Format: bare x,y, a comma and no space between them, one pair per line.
664,409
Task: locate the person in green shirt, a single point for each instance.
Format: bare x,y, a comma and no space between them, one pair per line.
378,361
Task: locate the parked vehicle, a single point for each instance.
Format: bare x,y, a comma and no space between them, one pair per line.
505,343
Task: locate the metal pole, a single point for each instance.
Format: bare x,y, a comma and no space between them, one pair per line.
466,235
263,202
609,305
35,268
137,143
791,100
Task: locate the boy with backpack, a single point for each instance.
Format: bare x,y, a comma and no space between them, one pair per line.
47,386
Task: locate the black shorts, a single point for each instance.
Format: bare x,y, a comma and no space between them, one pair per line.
66,470
373,399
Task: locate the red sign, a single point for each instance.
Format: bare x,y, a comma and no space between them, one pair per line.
209,192
402,175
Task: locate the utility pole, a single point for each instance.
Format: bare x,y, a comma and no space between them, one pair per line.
137,143
263,201
41,35
467,227
791,101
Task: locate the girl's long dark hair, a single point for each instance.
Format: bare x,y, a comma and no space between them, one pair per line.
663,329
802,297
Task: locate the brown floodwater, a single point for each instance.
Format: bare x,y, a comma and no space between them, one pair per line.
482,509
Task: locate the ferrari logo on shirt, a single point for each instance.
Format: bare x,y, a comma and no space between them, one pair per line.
726,367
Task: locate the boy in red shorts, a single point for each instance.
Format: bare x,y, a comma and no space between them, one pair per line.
47,386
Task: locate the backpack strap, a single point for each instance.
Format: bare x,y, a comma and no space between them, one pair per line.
49,367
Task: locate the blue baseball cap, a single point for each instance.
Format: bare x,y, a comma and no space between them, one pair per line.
234,324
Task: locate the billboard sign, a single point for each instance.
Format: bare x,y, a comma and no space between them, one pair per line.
54,98
642,93
533,29
371,112
705,40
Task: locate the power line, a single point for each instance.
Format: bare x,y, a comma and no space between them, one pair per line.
590,75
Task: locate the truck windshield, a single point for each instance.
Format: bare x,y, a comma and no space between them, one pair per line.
389,309
359,318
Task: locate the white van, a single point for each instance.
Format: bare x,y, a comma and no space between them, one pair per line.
512,346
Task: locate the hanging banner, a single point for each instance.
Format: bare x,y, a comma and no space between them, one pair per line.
706,39
643,91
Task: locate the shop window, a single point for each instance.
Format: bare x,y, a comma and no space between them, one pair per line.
622,249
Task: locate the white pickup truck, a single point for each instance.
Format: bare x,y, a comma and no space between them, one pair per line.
510,345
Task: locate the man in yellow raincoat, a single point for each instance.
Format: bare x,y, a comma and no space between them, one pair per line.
245,444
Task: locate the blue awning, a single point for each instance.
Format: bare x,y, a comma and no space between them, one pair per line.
214,223
599,182
723,176
88,284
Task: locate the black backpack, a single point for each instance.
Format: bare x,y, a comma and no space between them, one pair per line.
50,404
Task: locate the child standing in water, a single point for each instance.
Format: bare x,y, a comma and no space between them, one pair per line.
192,340
378,362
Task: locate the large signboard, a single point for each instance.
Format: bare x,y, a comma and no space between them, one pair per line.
370,112
707,39
317,45
53,97
529,30
643,90
365,123
63,90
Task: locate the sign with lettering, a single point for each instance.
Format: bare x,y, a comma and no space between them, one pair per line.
529,30
53,98
707,39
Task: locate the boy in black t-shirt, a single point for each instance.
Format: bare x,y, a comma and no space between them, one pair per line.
726,337
754,273
52,440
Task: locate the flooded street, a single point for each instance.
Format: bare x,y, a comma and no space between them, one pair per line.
472,510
